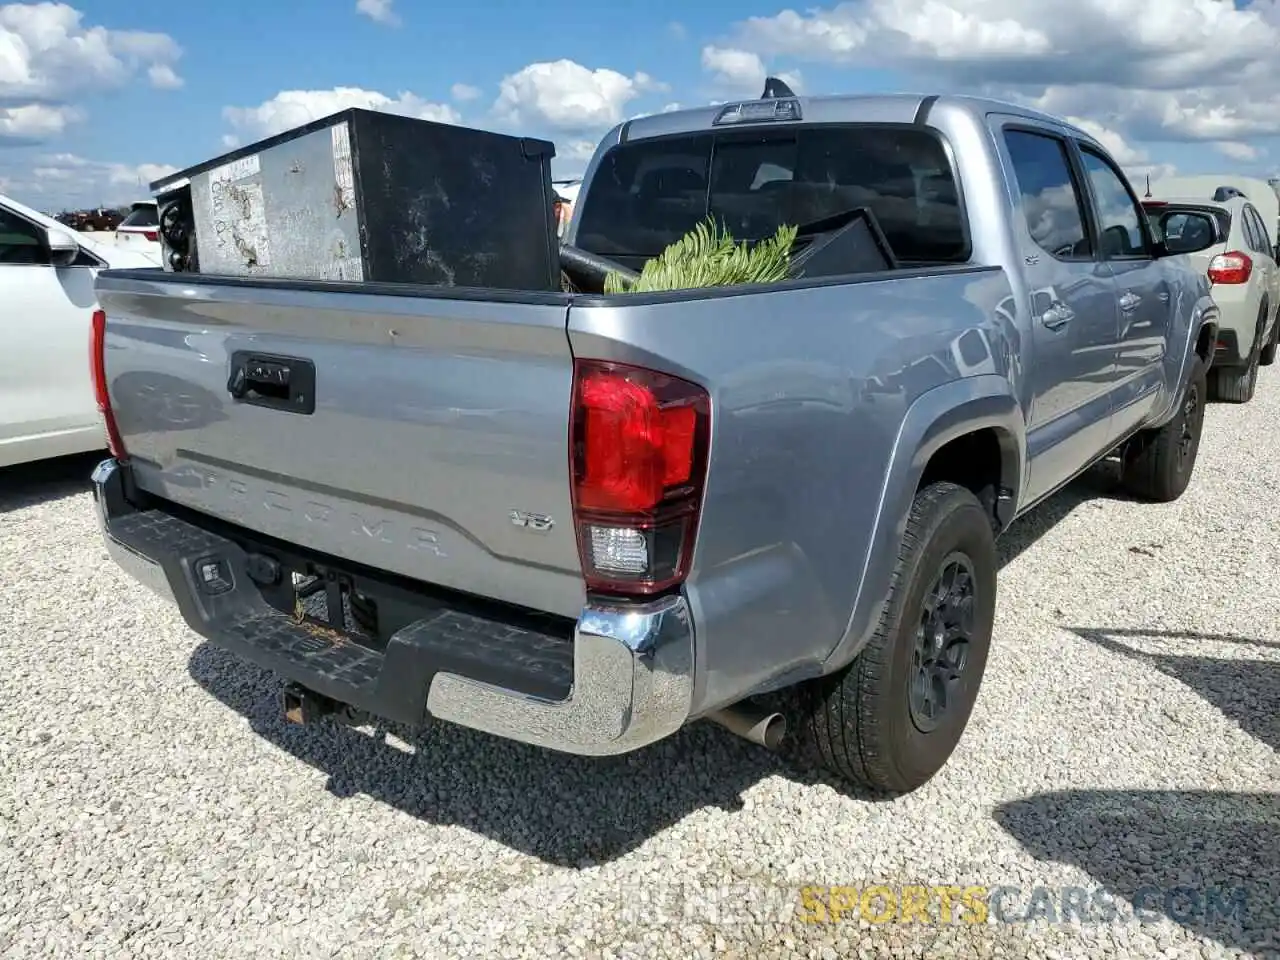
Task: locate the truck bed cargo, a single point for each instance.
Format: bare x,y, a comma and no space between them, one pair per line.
365,195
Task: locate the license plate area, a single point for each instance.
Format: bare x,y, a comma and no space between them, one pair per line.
352,607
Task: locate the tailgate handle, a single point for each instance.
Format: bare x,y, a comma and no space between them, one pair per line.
279,383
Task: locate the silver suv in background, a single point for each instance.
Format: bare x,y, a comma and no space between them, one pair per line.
1241,267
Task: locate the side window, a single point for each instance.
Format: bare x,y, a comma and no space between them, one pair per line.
1051,200
1119,217
1260,238
1250,231
1268,236
20,241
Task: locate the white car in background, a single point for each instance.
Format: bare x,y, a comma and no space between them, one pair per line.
566,196
47,402
140,230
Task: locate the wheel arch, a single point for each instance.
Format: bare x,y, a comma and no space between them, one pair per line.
971,432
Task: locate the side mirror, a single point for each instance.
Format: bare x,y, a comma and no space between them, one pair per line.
63,247
1182,231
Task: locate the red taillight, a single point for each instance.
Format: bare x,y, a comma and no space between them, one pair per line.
1233,267
639,460
98,368
152,235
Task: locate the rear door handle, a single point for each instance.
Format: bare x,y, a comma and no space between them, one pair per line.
1057,316
1129,302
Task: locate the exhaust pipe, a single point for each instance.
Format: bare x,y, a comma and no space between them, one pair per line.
752,723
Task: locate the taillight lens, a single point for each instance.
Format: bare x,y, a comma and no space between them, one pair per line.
1233,267
98,369
152,235
640,441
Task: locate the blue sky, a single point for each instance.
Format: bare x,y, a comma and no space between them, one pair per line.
98,97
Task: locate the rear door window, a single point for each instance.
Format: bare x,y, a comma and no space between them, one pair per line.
646,195
1257,233
142,217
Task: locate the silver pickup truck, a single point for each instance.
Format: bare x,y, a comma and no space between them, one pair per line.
583,521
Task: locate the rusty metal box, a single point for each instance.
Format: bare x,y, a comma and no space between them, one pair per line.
364,196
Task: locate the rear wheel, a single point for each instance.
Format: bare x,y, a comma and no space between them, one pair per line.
1237,384
1268,355
891,719
1158,463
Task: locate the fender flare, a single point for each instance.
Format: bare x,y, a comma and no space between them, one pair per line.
1205,314
934,419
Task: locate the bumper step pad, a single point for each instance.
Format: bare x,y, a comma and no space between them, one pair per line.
391,683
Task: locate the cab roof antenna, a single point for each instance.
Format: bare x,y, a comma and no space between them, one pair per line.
775,89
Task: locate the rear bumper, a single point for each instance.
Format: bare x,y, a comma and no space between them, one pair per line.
631,666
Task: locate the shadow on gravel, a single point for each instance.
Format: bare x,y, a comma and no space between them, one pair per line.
562,809
1209,862
31,484
1246,690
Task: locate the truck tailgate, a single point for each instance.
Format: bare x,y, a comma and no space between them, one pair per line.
438,423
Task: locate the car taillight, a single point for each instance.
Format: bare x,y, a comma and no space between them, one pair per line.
152,235
98,368
639,445
1233,267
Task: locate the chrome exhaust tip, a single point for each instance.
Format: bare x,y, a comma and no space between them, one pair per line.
762,727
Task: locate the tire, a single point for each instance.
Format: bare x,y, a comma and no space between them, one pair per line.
1158,464
1268,355
866,723
1237,384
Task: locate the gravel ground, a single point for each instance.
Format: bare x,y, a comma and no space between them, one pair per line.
152,803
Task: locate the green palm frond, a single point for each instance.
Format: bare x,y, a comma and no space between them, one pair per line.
708,256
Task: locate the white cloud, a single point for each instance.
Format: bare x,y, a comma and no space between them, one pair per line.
577,149
163,77
50,58
294,108
465,93
1185,70
739,68
569,97
58,181
742,70
1011,37
1120,149
379,11
1238,151
678,30
48,54
36,122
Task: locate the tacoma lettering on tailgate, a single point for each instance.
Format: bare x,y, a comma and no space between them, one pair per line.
247,499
